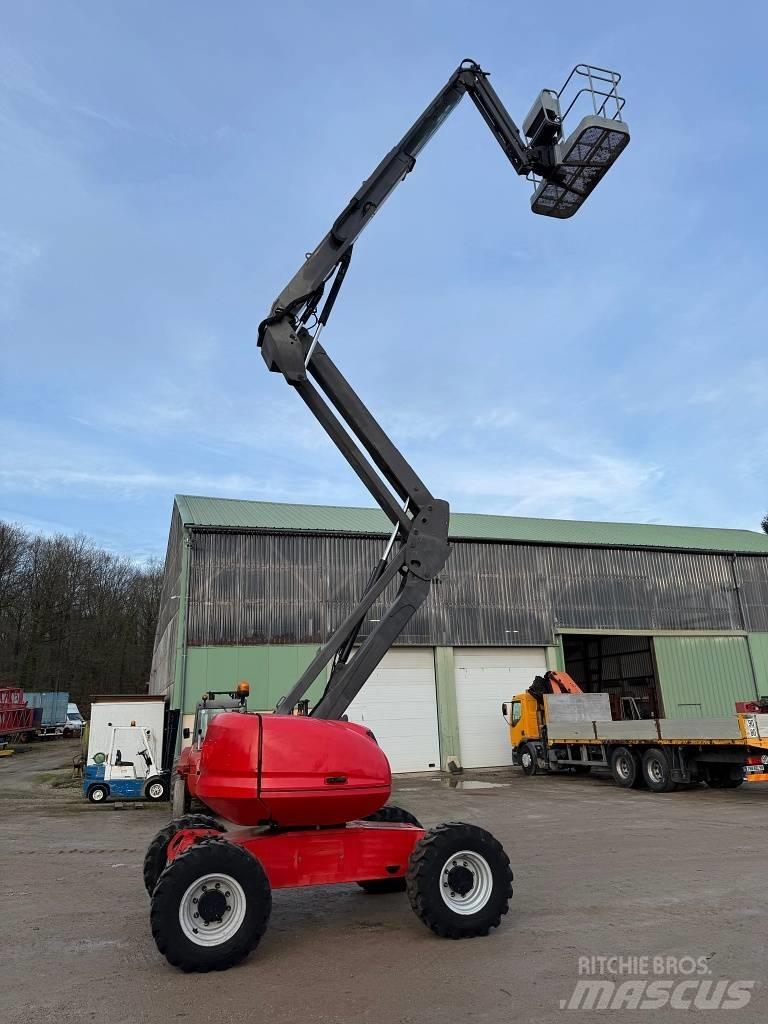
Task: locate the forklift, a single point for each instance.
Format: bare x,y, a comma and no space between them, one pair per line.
309,791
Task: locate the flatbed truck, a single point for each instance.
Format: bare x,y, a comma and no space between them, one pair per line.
574,733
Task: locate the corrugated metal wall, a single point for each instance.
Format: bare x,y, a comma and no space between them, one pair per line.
164,657
703,675
256,588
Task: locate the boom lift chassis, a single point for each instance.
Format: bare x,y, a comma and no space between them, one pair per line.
302,784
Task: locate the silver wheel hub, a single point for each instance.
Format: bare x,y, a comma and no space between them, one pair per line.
212,909
156,790
654,770
466,882
622,766
526,760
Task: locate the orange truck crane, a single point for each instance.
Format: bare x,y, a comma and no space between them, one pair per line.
555,727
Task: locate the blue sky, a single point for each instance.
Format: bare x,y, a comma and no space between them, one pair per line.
165,167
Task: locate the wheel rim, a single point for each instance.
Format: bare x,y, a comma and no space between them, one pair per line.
525,759
212,909
655,772
623,768
156,790
466,882
97,795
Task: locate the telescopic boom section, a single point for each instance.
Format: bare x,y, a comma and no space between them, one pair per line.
419,544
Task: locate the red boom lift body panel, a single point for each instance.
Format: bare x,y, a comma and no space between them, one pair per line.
291,770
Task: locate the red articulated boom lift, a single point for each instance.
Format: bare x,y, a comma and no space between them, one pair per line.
309,792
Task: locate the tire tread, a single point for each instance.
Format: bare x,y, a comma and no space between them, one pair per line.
427,857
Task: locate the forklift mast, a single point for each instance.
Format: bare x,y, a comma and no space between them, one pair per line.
565,174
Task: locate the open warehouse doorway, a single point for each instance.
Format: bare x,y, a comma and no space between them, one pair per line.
621,666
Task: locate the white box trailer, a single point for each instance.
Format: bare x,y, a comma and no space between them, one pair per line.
130,744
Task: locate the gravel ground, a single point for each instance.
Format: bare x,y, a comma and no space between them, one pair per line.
598,872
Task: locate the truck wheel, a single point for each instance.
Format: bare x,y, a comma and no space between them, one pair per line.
180,799
719,778
156,789
210,907
378,886
529,760
657,771
625,768
459,881
156,856
98,794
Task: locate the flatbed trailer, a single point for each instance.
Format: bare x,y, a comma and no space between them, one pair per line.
576,733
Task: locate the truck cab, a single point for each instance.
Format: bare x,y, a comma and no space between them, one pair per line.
523,716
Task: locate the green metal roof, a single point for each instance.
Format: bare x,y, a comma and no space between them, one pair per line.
236,514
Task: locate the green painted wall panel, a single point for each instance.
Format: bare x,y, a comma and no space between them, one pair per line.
270,671
703,675
758,644
447,710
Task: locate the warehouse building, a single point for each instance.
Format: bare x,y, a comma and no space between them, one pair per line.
666,619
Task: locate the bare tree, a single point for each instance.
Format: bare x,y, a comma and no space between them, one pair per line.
74,617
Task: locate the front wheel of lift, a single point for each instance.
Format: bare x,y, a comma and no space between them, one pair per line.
210,907
459,881
156,856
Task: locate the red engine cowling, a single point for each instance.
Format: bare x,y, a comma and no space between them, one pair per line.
291,770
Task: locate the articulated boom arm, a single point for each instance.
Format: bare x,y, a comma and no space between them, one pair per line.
418,547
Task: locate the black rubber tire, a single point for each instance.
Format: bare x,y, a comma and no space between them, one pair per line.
210,856
625,768
98,794
397,815
721,779
657,771
528,758
153,783
155,858
181,802
381,886
424,880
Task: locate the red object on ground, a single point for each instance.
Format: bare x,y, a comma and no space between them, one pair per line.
360,852
752,707
291,770
15,716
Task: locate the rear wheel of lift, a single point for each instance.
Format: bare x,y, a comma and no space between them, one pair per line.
399,816
210,907
98,794
156,856
529,760
459,881
625,768
657,771
180,800
156,789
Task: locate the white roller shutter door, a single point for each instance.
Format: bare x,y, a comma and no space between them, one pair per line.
485,678
399,706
